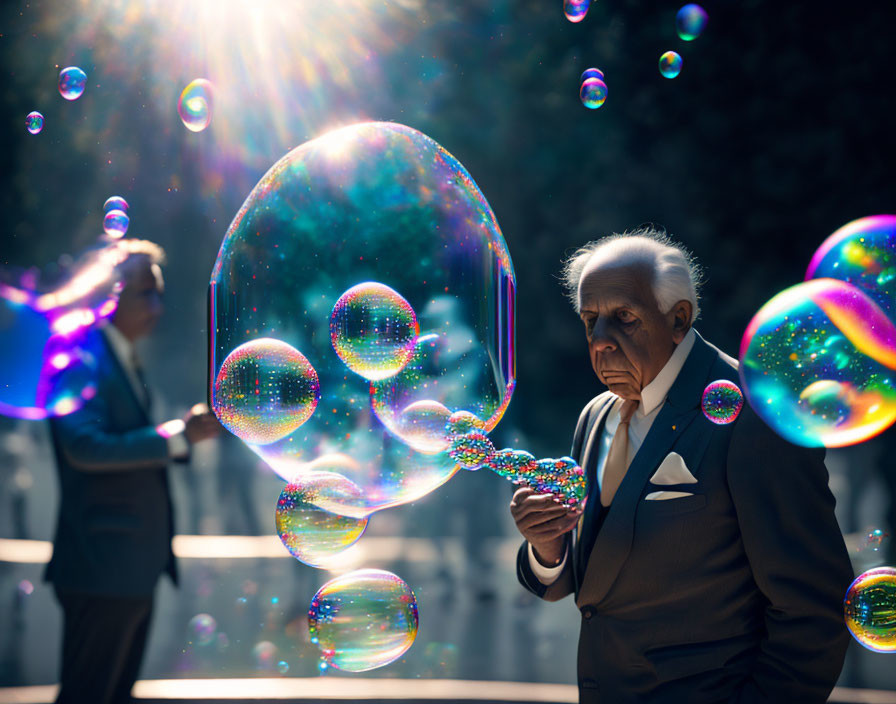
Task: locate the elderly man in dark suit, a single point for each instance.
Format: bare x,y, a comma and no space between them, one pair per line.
113,534
708,565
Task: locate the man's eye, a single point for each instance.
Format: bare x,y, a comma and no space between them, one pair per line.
625,317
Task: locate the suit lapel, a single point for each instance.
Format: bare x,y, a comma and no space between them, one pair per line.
123,381
614,542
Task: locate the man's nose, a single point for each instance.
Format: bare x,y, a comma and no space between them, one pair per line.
600,339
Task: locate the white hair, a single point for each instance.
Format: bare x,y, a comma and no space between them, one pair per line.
676,275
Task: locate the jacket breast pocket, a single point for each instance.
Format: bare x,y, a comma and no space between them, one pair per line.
673,507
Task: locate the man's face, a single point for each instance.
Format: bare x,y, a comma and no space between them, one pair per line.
629,339
140,303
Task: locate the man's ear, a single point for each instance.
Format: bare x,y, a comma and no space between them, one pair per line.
681,320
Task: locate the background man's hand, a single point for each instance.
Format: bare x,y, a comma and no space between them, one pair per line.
200,424
544,523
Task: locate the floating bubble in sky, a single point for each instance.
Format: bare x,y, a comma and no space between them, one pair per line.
373,202
264,390
72,82
870,609
863,253
311,534
575,10
817,364
592,73
691,21
363,620
670,64
593,93
34,122
373,330
195,105
202,628
722,401
115,223
283,667
115,203
264,653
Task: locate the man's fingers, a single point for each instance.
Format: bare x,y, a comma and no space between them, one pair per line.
551,529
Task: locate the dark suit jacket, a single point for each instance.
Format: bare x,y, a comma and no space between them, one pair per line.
733,594
114,529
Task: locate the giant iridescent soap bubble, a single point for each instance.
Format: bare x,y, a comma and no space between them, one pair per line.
862,253
818,364
374,213
869,609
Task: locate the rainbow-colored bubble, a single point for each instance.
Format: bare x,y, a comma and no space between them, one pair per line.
195,105
311,534
722,401
115,203
862,253
870,609
264,390
670,64
817,364
471,450
72,81
373,330
575,10
34,122
115,223
691,21
422,426
363,620
591,73
593,93
202,629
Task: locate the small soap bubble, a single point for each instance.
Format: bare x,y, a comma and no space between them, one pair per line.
264,654
817,364
202,628
722,401
463,422
422,426
264,390
862,253
115,223
72,82
195,105
34,122
670,64
283,667
690,21
873,540
373,330
870,609
115,203
312,534
363,620
593,93
575,10
592,73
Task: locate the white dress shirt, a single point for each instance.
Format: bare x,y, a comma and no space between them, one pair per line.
123,348
653,396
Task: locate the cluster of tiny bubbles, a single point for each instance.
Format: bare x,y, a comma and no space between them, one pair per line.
873,540
72,82
471,450
870,609
264,653
575,10
202,628
384,206
363,620
670,64
593,93
373,330
817,364
195,105
690,21
115,203
311,534
283,667
264,390
722,401
518,466
862,253
34,122
115,223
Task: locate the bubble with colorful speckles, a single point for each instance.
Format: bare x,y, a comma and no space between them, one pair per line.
670,64
721,402
869,609
363,620
818,364
72,81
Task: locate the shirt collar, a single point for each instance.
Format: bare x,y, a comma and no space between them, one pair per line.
121,346
654,394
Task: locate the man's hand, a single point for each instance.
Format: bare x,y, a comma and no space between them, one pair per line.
200,424
544,523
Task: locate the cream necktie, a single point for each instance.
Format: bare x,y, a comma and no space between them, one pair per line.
617,456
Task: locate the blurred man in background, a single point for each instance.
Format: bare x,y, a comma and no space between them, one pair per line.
114,529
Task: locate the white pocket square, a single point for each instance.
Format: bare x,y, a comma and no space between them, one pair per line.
663,495
673,470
